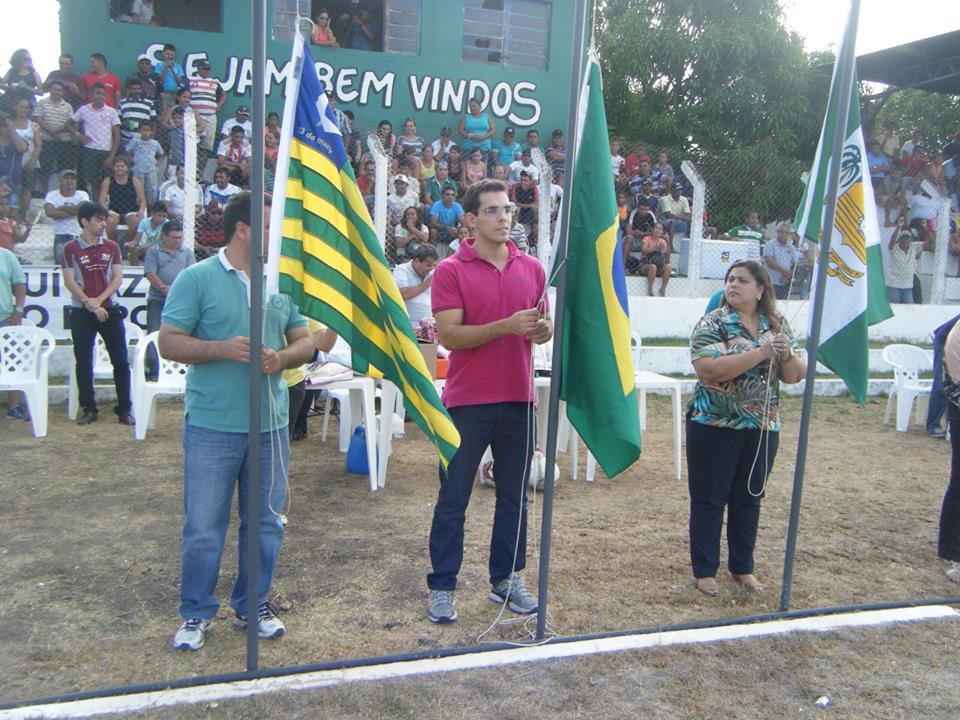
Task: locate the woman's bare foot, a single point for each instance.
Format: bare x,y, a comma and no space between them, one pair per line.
707,585
749,580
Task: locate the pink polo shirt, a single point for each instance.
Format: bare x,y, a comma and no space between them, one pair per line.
500,370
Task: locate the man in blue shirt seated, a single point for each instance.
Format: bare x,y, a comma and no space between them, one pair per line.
444,221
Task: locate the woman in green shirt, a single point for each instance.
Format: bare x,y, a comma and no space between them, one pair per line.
740,352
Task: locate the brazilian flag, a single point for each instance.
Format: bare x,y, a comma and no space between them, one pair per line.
598,378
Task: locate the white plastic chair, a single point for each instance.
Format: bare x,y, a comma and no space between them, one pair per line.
102,367
907,361
171,380
645,380
24,360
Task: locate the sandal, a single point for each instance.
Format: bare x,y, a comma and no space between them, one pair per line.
749,581
707,585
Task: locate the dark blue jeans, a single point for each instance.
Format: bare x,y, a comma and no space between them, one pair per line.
508,428
84,327
719,461
948,540
938,400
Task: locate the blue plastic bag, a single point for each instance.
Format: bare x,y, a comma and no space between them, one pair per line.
357,453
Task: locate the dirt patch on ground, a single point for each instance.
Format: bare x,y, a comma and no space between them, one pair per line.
90,530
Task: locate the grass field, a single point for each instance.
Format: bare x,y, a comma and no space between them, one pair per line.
89,536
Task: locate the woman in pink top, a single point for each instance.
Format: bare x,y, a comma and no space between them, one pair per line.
322,34
655,258
475,169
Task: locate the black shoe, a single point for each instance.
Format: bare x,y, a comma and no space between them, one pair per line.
298,435
89,416
937,433
126,419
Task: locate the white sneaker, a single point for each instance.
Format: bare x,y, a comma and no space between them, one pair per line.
190,635
270,626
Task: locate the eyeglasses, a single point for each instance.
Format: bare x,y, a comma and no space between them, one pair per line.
494,210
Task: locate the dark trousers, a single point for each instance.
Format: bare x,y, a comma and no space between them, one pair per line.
84,328
948,542
938,399
508,428
297,393
718,469
154,316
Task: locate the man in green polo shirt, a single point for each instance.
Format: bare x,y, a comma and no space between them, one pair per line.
205,323
750,230
433,189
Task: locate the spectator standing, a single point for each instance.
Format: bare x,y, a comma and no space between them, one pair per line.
616,159
911,146
557,153
675,211
22,80
780,257
476,128
902,267
134,109
61,206
148,160
13,295
204,324
414,279
74,91
206,99
948,540
176,138
92,272
148,79
98,132
29,132
52,115
99,75
533,140
142,11
662,173
171,74
489,304
363,29
889,142
524,196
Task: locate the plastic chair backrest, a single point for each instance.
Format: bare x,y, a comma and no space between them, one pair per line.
907,361
169,373
21,347
101,358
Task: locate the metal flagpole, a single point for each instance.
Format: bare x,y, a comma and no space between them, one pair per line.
258,41
813,341
556,364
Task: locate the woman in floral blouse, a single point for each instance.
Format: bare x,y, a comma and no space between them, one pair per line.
733,420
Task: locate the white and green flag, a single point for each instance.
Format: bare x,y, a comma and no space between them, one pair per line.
855,296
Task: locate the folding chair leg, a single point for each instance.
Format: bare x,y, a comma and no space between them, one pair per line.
370,421
890,397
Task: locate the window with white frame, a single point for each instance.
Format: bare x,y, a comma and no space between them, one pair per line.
506,32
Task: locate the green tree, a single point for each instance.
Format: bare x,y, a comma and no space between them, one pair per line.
714,74
938,116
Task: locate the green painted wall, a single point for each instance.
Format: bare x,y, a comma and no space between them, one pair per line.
433,87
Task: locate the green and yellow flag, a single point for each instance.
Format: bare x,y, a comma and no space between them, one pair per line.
598,378
331,262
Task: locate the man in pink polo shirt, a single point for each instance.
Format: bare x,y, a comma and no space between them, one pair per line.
489,302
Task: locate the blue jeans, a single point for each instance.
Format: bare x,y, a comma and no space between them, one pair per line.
900,295
213,462
508,428
938,400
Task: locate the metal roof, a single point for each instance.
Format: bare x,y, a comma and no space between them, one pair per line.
931,64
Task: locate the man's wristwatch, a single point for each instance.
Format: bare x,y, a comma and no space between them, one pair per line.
18,309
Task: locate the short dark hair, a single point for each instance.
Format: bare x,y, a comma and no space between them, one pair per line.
98,86
145,123
237,128
99,56
88,210
66,55
238,210
171,226
56,82
471,201
158,206
169,46
424,252
134,81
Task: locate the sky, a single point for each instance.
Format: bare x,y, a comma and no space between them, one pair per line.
883,23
